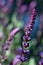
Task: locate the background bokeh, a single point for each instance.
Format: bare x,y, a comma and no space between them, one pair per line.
16,14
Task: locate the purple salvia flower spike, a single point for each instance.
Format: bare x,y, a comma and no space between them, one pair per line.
10,37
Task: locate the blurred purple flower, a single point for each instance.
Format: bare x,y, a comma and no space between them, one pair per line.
2,3
41,62
20,49
0,64
10,37
41,54
6,8
23,8
19,2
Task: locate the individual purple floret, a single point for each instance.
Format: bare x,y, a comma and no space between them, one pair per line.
23,59
26,51
26,38
20,49
25,44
